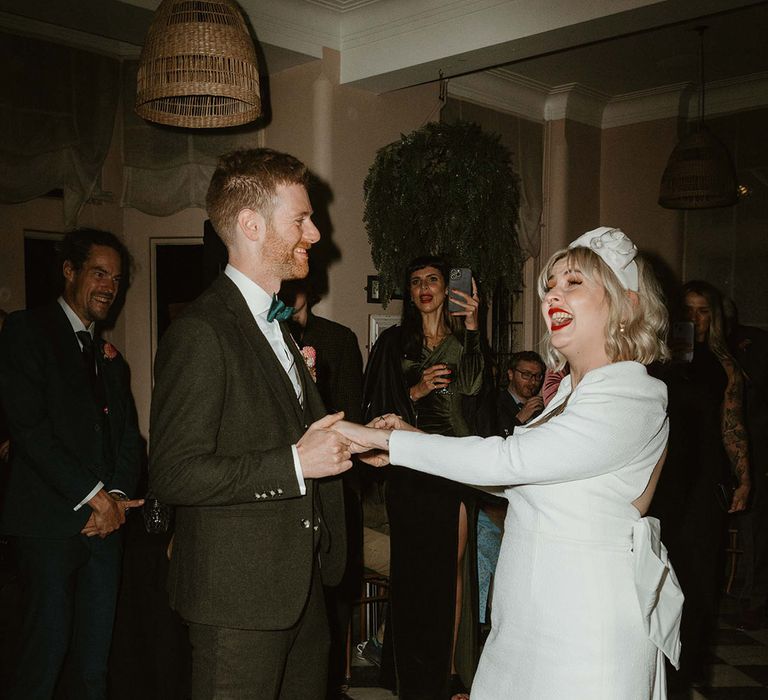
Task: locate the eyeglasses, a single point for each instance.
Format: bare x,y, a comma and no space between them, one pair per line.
529,375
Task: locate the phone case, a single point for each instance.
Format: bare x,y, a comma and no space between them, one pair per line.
461,279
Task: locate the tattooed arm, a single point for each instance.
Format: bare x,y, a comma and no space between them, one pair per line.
735,434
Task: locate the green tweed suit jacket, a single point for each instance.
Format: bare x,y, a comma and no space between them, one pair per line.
224,416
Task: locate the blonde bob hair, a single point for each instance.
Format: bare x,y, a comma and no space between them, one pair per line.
637,325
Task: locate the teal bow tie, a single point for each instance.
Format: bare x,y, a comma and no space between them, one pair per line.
278,310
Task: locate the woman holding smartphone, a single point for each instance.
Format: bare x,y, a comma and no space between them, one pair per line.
422,369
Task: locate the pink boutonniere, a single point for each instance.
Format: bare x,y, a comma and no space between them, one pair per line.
110,351
310,357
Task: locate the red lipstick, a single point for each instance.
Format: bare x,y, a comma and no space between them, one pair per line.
557,326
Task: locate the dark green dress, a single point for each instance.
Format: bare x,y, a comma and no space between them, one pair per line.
440,412
423,515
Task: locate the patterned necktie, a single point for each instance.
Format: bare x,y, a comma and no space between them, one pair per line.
278,310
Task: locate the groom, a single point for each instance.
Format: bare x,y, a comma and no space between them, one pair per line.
260,516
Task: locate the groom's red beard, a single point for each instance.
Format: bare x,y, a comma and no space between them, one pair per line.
289,260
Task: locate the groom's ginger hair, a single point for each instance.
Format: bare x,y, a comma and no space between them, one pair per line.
248,179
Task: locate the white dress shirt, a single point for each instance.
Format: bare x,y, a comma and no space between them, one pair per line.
258,302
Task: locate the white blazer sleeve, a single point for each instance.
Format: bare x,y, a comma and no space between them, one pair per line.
612,416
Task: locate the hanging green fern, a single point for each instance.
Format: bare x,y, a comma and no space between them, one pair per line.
446,189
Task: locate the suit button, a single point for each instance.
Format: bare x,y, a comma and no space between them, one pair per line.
97,428
305,523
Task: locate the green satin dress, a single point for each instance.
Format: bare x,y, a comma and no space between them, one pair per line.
423,517
440,411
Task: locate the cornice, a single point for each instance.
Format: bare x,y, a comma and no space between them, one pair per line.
23,26
524,98
577,103
508,92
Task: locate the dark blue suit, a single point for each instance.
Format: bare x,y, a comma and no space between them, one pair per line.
66,438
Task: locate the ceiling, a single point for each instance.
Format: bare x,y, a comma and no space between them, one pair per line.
735,45
610,48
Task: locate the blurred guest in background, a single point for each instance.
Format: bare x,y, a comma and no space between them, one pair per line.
707,471
520,401
749,346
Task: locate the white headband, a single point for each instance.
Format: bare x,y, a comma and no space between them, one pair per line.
615,250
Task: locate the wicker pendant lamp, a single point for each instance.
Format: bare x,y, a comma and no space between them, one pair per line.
699,173
198,67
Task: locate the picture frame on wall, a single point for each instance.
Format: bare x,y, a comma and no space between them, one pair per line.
377,324
373,290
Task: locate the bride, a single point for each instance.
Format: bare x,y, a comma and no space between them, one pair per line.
586,603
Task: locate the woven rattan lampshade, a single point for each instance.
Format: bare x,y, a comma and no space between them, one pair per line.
198,67
699,174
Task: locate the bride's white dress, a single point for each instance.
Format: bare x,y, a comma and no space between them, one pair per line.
585,601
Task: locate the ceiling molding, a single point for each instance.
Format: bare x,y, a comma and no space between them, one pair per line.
496,90
647,105
23,26
577,103
342,5
296,26
506,92
735,95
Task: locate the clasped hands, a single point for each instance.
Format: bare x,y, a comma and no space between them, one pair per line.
327,447
108,514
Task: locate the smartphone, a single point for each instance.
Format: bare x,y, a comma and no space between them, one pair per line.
461,279
681,341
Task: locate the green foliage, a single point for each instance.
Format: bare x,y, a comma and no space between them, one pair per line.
446,189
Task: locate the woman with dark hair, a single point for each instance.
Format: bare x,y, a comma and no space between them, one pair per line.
707,455
421,370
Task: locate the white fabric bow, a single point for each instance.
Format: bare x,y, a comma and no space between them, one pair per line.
658,592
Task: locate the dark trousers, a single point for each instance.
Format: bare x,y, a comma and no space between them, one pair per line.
69,590
235,664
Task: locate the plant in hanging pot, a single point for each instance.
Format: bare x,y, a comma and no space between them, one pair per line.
446,189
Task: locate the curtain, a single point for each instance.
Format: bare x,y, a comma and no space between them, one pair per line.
57,112
167,169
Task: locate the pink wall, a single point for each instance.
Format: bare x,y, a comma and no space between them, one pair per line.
337,130
633,159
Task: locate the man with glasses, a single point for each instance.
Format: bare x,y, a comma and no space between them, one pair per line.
520,402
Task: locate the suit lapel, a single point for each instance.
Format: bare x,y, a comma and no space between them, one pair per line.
274,372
